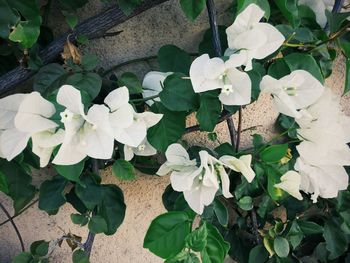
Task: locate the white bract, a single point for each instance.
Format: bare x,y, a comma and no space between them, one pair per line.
144,149
210,74
290,182
199,183
153,84
248,38
293,92
242,165
324,151
21,117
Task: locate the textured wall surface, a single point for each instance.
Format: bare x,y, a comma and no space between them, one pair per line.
142,36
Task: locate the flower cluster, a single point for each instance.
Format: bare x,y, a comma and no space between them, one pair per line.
200,182
25,116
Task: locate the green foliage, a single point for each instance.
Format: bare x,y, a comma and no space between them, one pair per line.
173,59
258,254
197,239
192,8
245,203
178,94
263,4
209,110
128,6
39,248
49,78
38,253
336,241
274,153
206,45
123,170
79,256
71,172
281,247
289,10
131,81
51,196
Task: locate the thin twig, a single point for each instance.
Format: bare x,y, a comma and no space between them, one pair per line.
224,117
255,226
239,129
14,226
231,129
24,209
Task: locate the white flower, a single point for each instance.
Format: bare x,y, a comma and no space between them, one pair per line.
86,135
21,116
143,149
241,165
324,180
290,182
293,92
200,183
152,84
210,74
251,38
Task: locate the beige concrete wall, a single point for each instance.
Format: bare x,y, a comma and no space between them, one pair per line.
142,36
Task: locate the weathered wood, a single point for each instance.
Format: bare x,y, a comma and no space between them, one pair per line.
92,28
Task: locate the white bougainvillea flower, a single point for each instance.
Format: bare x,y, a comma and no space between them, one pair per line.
252,38
293,92
21,116
45,142
153,84
210,74
86,135
324,181
290,182
241,165
144,149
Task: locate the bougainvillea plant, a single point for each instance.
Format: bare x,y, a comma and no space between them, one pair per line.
282,200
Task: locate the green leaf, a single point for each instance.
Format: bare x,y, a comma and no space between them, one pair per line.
23,257
72,6
273,177
263,4
89,62
39,248
79,219
221,212
306,62
97,224
26,33
79,256
197,239
246,203
289,10
192,8
274,153
216,248
49,78
71,19
173,59
128,6
258,254
8,18
336,20
295,234
112,207
51,195
166,235
71,172
310,228
343,201
347,77
278,69
90,194
3,184
255,78
131,81
168,130
90,82
281,247
206,45
18,184
336,240
74,200
209,110
123,170
178,94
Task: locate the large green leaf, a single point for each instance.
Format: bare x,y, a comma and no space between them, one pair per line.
258,254
49,78
216,248
209,110
310,228
39,248
274,153
347,76
91,193
197,239
97,224
289,9
89,82
17,183
7,19
336,20
306,62
51,195
336,240
278,69
112,207
273,177
281,247
24,257
178,94
192,8
123,170
168,130
131,81
71,172
166,235
173,59
26,33
29,9
3,184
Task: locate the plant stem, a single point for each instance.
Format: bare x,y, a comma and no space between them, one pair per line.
145,99
337,6
239,129
224,117
231,129
255,226
14,226
24,209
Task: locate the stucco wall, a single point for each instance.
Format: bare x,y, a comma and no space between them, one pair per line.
142,36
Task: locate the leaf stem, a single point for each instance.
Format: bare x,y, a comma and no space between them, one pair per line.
145,99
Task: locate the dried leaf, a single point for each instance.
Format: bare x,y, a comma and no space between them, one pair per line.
71,51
